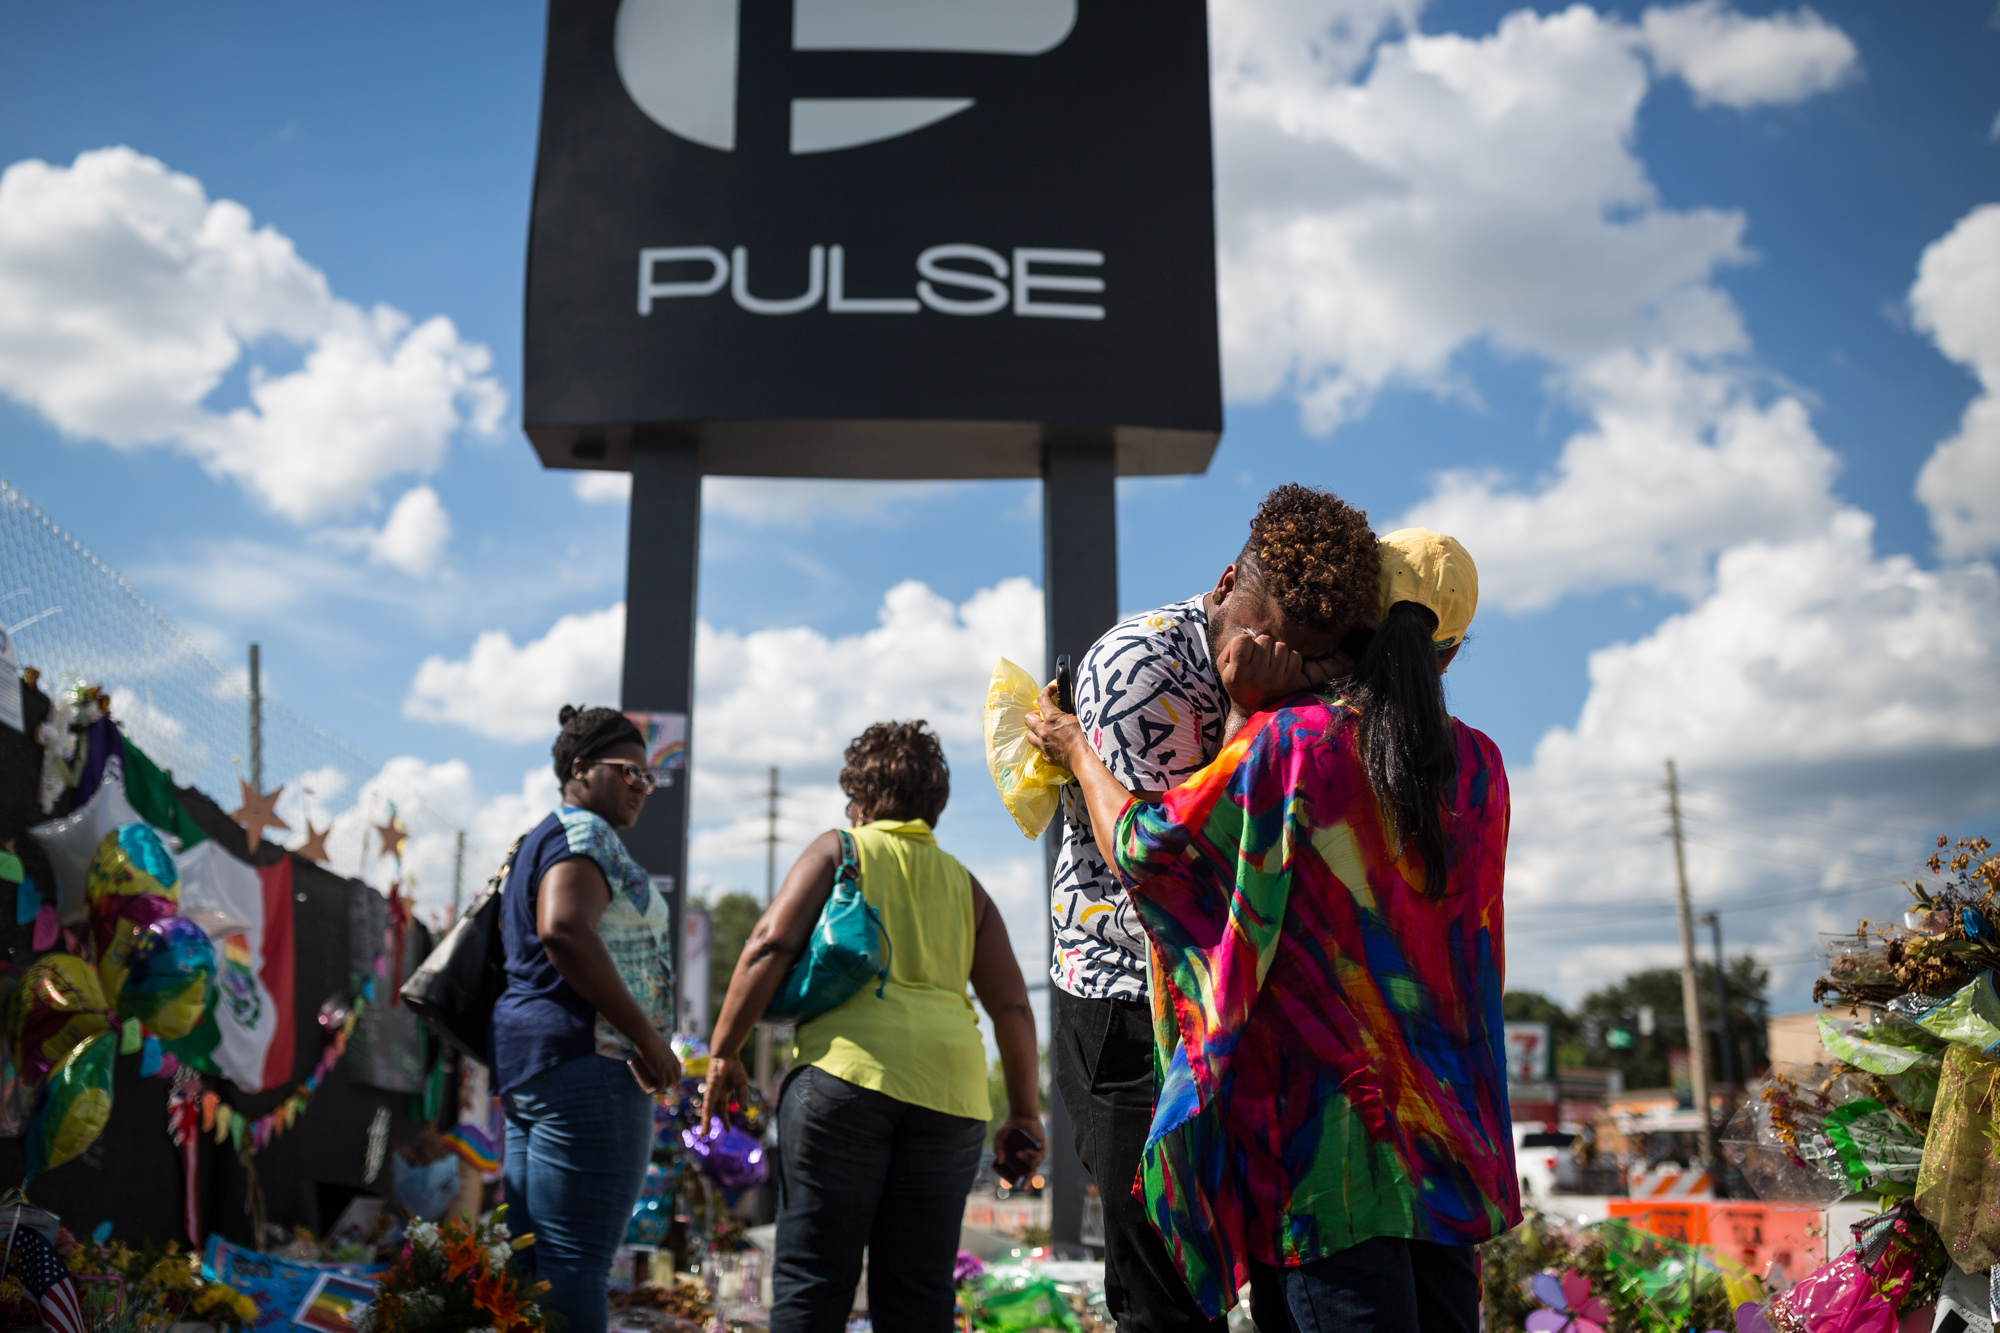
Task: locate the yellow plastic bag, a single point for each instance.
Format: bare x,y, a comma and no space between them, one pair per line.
1029,785
1958,1186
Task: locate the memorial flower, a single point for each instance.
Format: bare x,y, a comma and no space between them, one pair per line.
458,1277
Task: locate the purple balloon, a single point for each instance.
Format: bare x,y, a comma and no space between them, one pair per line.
168,950
175,930
731,1158
1750,1319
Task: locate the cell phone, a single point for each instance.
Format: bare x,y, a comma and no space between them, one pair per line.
1011,1160
1065,685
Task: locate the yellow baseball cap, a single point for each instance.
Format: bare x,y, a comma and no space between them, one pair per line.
1433,571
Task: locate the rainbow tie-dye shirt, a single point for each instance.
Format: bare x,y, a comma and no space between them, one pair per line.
1331,1037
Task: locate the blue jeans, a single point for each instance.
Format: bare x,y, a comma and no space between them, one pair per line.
1384,1285
859,1168
578,1140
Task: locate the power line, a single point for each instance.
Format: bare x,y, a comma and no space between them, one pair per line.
1538,927
1835,825
1750,854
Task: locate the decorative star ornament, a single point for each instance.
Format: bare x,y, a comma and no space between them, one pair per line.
258,813
393,835
314,847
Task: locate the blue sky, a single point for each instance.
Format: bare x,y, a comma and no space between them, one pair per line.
1526,273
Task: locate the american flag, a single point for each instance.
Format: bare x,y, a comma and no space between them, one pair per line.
42,1272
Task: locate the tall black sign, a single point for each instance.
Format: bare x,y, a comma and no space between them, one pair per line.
874,237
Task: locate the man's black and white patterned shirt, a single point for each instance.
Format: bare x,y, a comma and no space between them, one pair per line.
1152,707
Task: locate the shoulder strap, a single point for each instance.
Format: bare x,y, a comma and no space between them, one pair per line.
499,880
850,870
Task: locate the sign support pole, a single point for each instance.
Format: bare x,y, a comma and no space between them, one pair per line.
661,550
1080,602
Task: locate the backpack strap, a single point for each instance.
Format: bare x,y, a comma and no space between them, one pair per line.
850,870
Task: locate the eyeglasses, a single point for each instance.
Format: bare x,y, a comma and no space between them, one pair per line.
635,775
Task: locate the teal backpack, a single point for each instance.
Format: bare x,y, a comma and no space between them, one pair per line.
847,948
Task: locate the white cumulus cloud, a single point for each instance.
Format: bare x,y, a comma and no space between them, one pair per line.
603,488
1388,198
512,692
799,502
795,697
411,539
1829,707
1737,61
432,802
127,296
1677,463
1467,188
790,698
1810,652
783,502
1956,300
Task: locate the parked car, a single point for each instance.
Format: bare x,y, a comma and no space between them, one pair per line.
1542,1156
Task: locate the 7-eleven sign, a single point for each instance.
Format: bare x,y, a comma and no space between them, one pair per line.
1527,1047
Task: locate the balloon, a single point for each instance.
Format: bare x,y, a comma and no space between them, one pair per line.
170,968
333,1012
69,1020
61,1006
71,842
132,882
73,1105
729,1157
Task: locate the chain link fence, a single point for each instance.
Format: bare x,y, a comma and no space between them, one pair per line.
76,619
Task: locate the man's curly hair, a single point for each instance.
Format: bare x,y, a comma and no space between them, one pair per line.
1316,555
897,770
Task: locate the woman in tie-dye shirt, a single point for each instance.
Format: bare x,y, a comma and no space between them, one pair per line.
1323,907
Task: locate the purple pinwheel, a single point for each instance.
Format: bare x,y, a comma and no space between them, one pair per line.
1571,1307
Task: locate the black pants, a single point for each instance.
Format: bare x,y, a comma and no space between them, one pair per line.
1104,1069
1379,1286
860,1169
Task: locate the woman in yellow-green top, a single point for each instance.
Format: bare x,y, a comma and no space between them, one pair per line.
883,1116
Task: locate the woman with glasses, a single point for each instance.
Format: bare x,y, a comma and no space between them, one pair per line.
579,1032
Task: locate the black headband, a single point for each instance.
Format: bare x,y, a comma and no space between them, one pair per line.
589,732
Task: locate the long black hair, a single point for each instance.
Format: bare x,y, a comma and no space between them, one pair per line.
1405,734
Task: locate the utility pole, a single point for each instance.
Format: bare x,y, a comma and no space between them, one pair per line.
771,839
256,722
764,1042
458,876
1690,984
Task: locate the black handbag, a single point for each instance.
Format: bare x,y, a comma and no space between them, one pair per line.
458,985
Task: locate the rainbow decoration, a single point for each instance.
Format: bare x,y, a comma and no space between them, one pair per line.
248,1137
666,739
475,1148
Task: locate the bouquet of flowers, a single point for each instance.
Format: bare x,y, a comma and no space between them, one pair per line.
457,1278
161,1285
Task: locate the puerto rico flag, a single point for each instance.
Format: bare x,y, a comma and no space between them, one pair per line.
253,975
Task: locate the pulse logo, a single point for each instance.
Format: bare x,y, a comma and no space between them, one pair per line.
678,60
952,280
